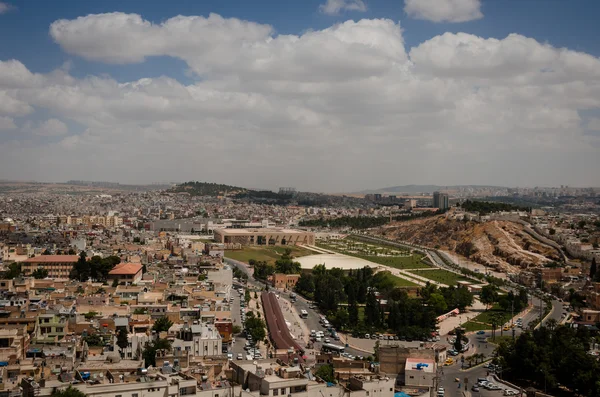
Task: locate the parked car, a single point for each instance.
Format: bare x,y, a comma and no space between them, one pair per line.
239,356
480,332
508,392
475,388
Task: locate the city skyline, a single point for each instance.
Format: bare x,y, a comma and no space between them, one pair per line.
328,96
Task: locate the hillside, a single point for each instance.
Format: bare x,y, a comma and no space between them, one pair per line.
423,188
206,189
502,245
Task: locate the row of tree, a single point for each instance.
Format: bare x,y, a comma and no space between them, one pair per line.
487,207
342,296
285,264
97,268
552,356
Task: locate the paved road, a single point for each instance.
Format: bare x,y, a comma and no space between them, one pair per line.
312,323
450,373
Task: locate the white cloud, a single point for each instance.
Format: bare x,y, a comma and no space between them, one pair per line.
331,110
444,10
127,38
51,127
5,7
7,123
334,7
593,124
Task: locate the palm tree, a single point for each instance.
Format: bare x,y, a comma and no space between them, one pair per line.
551,324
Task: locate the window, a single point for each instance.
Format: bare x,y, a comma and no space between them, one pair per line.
275,392
134,395
283,391
118,395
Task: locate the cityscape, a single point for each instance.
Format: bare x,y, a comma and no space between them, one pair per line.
327,198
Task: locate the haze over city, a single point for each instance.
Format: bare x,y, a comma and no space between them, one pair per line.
336,95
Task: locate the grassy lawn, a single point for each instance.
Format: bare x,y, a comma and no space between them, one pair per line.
414,261
269,254
484,320
399,282
442,276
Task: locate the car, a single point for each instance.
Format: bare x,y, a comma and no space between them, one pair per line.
373,336
336,337
441,390
239,356
327,340
367,336
318,339
481,332
509,392
475,388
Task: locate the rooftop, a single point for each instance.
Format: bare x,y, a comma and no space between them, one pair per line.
420,364
261,230
126,268
52,259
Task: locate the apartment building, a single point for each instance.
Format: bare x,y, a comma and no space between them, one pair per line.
58,266
197,339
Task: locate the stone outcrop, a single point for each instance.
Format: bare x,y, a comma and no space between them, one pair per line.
503,245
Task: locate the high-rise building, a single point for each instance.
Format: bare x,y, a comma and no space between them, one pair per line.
440,200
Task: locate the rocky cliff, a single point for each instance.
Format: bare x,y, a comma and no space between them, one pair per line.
502,245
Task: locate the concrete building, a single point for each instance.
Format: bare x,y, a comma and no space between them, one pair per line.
198,340
58,266
50,328
264,236
419,372
126,273
393,358
440,200
285,281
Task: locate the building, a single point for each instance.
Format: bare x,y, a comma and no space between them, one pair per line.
419,372
126,273
285,281
58,266
198,340
393,358
265,236
50,328
440,201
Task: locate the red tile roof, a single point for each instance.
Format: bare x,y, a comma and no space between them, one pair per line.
126,268
52,259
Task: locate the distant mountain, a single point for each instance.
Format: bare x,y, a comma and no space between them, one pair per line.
424,188
207,189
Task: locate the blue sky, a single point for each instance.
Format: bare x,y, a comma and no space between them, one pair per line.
513,88
571,24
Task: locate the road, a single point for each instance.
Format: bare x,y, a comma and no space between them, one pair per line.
451,387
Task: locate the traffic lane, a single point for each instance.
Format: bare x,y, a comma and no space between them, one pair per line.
312,323
451,387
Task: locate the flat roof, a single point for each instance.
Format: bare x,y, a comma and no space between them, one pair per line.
412,364
260,230
52,259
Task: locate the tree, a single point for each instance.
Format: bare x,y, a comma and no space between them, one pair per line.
286,265
236,329
162,324
353,313
438,303
305,284
122,340
372,315
149,353
68,392
340,319
325,372
488,295
458,343
14,271
40,273
256,328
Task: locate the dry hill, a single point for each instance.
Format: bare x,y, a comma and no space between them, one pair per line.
502,245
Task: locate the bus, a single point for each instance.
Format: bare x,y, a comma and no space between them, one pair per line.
303,313
330,347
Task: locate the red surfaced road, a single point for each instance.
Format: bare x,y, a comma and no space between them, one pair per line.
280,334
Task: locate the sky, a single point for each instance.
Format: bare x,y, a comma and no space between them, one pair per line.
320,95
